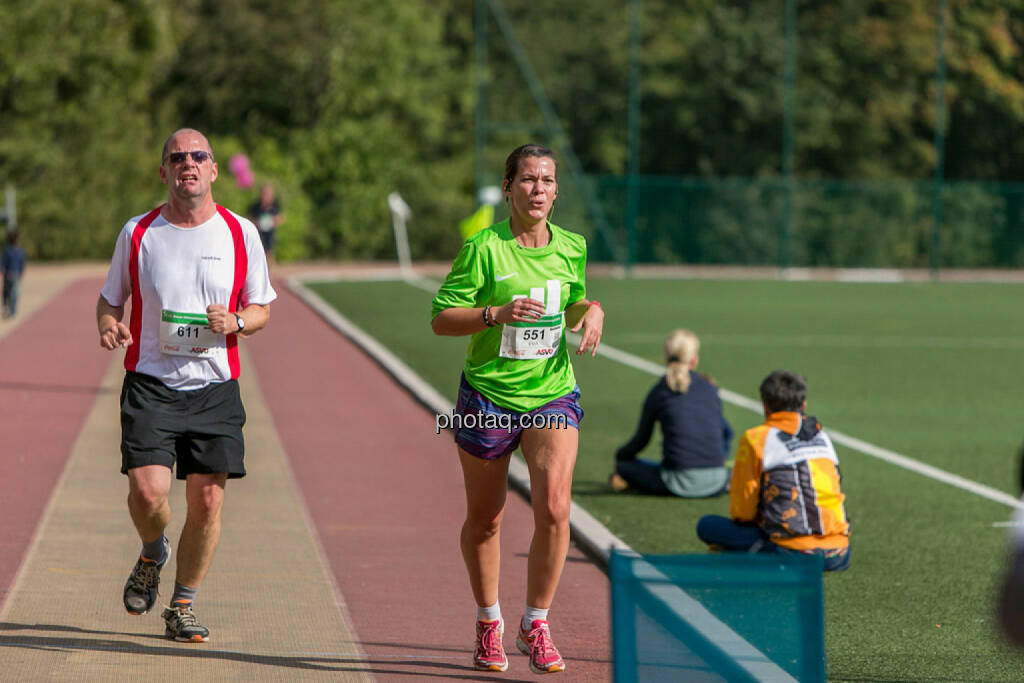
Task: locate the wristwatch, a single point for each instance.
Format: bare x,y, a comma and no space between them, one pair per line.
240,321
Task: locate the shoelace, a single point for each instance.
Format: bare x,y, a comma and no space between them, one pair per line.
146,577
540,638
490,640
184,616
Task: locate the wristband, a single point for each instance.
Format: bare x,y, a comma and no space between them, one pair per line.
594,303
490,322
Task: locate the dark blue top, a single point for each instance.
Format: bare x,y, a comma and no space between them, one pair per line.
12,263
694,432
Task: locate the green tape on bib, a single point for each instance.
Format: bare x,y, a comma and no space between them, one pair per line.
183,318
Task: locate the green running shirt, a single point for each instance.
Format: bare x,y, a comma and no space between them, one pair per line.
490,270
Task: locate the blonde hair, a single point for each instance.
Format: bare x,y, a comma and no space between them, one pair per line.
681,348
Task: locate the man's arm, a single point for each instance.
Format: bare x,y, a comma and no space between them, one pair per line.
113,333
223,321
744,488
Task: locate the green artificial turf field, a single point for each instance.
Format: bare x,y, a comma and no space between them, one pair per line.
931,371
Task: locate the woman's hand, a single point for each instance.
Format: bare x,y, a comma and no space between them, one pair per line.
524,310
592,323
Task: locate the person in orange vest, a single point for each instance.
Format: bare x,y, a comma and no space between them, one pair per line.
784,495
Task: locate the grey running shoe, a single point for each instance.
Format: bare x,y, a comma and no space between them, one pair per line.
141,589
183,626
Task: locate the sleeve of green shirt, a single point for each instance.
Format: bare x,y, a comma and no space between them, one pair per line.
578,287
461,287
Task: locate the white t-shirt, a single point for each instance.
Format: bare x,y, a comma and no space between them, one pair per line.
181,271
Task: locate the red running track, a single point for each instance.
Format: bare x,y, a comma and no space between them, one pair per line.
386,497
51,367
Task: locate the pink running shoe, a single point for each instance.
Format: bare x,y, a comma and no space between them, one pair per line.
544,657
489,655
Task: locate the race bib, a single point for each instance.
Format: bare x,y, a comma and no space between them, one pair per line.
538,339
187,334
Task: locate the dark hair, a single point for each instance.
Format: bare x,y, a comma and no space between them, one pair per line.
783,390
520,153
12,237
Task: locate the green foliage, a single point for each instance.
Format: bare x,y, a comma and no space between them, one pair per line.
340,103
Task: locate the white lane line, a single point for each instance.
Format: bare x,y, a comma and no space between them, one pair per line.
586,530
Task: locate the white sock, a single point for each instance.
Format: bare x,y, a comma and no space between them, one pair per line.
530,615
491,613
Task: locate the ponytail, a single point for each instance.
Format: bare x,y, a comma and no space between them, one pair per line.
681,348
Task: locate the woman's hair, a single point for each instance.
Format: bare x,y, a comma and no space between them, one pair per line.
520,153
681,348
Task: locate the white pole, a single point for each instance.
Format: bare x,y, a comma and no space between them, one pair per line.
400,212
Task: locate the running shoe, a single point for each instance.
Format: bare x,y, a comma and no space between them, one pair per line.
183,626
140,591
489,655
537,644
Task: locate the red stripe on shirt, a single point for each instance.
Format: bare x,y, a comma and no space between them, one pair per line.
235,302
131,358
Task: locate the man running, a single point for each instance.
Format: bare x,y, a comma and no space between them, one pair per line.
197,278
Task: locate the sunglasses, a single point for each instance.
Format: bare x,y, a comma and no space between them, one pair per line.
199,156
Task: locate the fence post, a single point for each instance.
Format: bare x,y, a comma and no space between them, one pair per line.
480,81
632,200
935,255
788,96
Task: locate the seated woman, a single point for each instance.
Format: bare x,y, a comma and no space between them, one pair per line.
695,434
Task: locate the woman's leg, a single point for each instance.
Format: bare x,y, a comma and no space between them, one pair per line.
486,488
550,454
643,476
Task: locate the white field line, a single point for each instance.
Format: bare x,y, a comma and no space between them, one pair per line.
587,531
732,397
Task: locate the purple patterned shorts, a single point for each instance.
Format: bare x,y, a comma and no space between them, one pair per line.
489,431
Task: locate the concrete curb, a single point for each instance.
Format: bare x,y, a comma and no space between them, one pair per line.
589,534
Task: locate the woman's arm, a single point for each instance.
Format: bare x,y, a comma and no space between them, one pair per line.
456,321
642,436
589,316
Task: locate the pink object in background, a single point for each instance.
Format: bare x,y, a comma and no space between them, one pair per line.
239,167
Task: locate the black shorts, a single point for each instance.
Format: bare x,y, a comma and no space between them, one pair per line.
200,429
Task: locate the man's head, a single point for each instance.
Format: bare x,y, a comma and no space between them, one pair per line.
783,391
187,166
267,193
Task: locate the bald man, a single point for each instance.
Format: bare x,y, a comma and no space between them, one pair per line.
196,275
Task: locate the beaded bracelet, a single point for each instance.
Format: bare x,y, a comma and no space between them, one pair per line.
490,322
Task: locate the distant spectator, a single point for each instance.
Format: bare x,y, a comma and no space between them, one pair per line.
784,496
266,214
12,264
695,435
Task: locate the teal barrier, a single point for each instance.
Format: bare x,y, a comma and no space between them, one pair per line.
723,617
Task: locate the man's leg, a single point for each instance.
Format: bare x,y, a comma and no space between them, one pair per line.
730,535
148,487
204,494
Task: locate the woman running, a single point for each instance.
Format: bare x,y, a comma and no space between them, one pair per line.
512,287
